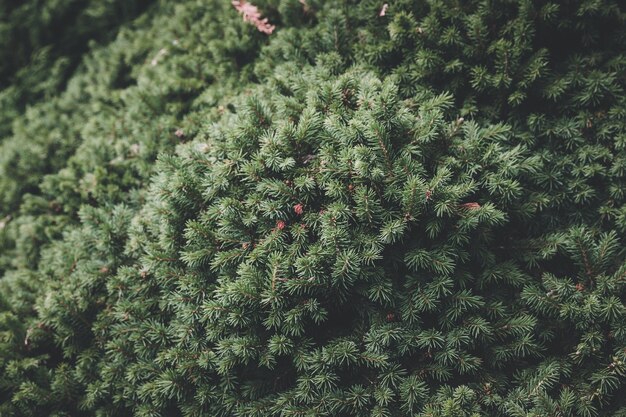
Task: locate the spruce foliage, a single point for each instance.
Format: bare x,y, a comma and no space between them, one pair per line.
411,213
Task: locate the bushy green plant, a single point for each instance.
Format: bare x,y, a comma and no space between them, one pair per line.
398,211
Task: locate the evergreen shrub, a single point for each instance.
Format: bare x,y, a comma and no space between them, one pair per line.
410,209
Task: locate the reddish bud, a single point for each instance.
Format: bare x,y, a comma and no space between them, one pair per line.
390,317
580,287
470,206
179,133
252,15
429,193
299,209
280,225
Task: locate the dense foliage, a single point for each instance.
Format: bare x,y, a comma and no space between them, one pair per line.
42,42
411,209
